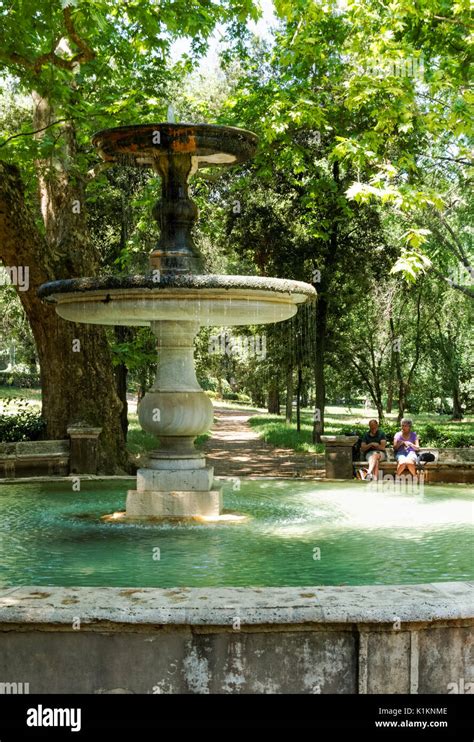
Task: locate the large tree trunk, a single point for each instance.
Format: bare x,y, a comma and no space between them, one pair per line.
457,406
378,396
122,335
289,396
380,410
404,385
402,400
76,386
389,406
298,399
304,396
274,398
319,380
322,308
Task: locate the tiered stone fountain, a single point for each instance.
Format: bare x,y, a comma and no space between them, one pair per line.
175,300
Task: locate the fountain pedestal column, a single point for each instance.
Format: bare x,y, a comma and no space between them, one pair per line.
176,483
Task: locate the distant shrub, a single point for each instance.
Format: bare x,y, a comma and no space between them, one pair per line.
244,398
208,383
19,379
429,435
360,430
18,422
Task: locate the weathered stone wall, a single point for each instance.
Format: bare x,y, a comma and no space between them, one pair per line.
33,458
381,639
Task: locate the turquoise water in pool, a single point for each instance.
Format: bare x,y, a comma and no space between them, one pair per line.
297,533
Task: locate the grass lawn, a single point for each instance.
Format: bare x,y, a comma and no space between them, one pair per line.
10,392
273,428
138,440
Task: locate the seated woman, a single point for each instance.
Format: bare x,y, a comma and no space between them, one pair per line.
405,446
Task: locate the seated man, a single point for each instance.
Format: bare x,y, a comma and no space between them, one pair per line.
373,449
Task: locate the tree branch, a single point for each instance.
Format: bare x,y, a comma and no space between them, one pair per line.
459,287
396,354
30,133
364,377
450,20
86,53
17,59
454,159
452,247
456,239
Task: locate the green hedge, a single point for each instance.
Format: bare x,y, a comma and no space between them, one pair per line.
18,379
429,435
23,425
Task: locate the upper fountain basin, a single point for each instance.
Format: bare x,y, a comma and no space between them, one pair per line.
205,143
211,300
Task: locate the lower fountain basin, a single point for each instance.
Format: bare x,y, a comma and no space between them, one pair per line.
208,299
257,606
295,533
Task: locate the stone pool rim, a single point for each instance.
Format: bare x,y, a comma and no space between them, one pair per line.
424,603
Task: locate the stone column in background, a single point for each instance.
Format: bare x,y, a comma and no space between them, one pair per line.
339,455
83,459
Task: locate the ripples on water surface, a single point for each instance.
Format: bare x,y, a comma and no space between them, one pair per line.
50,535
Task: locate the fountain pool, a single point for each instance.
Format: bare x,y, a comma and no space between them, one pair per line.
295,533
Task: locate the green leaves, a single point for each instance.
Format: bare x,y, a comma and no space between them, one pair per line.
19,421
416,237
412,262
364,193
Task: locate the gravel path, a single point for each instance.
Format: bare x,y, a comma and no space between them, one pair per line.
235,449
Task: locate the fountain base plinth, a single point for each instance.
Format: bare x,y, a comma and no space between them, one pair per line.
176,504
121,517
162,460
169,480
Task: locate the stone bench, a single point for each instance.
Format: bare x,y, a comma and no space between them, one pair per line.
449,473
76,455
451,465
34,458
440,470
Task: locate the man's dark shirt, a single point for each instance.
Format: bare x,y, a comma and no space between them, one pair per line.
377,438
